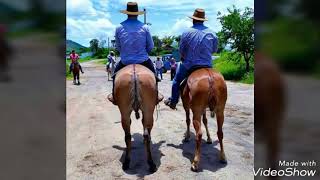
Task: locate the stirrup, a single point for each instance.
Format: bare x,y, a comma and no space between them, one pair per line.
111,99
171,105
160,98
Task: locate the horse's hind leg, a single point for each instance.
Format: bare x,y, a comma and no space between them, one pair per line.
187,133
74,79
186,107
147,126
126,127
78,77
205,122
220,120
197,126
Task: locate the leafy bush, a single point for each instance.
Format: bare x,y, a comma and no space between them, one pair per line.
68,76
233,69
248,78
228,68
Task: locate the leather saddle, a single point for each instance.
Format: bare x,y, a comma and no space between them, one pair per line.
190,71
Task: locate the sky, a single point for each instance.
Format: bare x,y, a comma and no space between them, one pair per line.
89,19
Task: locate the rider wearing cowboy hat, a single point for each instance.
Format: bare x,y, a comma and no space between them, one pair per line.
196,48
133,41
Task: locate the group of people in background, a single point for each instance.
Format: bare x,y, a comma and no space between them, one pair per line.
159,65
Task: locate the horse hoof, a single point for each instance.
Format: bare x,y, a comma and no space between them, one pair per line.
186,139
152,168
212,114
209,141
223,159
125,165
194,168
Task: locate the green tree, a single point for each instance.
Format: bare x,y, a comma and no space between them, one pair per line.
177,38
222,42
157,44
167,40
94,45
238,31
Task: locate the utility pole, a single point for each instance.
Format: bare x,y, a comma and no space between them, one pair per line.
108,44
145,15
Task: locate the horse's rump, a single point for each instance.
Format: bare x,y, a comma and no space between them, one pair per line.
76,67
135,88
201,86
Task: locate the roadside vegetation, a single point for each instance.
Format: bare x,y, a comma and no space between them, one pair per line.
229,65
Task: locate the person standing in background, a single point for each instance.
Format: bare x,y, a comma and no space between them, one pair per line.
173,68
159,66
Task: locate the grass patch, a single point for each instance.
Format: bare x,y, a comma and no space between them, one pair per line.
248,78
102,61
81,60
68,76
232,70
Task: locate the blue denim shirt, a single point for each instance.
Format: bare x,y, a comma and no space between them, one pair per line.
133,41
197,46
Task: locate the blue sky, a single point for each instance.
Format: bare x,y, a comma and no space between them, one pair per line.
88,19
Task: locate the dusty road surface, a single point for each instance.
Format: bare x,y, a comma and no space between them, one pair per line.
95,139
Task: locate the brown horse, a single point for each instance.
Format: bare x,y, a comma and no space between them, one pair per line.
135,89
205,88
269,106
76,73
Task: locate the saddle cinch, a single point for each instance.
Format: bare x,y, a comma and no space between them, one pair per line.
184,82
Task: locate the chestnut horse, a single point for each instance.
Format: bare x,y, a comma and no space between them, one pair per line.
269,106
76,73
135,89
205,88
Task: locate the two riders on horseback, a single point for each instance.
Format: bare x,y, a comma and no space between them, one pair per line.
135,87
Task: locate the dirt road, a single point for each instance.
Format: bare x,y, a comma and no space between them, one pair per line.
95,139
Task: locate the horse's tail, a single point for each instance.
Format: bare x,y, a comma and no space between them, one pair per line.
134,93
211,100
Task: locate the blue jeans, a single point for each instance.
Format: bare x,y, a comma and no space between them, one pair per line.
181,74
159,71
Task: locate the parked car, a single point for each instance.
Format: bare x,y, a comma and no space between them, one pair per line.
166,62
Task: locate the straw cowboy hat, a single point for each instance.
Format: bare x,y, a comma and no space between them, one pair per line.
132,9
199,15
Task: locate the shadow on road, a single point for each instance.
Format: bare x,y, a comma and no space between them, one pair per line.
209,154
138,164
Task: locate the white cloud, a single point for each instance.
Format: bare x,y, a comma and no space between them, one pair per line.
88,19
85,30
84,9
180,26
